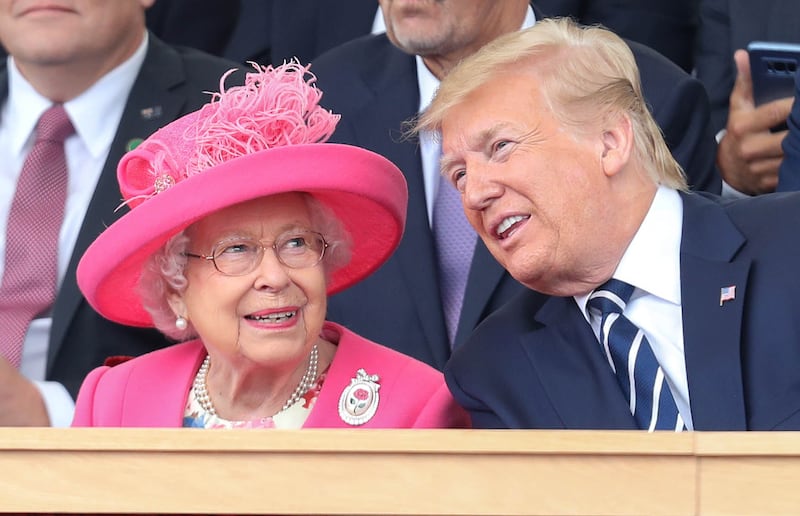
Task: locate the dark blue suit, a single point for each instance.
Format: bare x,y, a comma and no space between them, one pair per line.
173,82
273,31
373,85
789,174
537,364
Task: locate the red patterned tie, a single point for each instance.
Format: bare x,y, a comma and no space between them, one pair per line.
37,211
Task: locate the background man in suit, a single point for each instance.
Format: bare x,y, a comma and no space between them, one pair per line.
749,154
378,82
118,85
713,305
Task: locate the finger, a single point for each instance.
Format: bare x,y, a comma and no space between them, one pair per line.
742,93
762,146
772,113
765,173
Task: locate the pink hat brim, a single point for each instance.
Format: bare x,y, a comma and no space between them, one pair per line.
367,192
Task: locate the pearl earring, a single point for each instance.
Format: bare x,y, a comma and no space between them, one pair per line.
181,323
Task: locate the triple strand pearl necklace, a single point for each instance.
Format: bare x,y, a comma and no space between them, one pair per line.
306,382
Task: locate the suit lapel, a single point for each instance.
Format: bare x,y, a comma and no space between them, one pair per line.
395,78
568,360
484,276
161,72
711,327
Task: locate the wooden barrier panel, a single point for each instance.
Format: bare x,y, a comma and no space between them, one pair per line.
430,472
753,473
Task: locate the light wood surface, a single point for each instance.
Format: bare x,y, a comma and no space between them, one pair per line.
187,471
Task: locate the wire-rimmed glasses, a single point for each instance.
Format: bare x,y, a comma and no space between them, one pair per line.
237,256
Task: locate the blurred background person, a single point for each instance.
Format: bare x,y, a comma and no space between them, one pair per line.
749,154
99,83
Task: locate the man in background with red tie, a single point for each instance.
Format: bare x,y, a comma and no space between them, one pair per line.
84,83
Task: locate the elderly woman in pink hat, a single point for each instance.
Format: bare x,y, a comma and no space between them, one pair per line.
242,223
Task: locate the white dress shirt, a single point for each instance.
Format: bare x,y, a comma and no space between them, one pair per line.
95,114
652,265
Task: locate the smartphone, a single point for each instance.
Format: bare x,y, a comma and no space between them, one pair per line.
773,67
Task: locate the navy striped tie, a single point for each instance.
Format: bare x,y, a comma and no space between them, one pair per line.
631,358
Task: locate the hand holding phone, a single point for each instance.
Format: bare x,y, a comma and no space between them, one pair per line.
773,66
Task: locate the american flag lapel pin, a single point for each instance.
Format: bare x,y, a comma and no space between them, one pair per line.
727,294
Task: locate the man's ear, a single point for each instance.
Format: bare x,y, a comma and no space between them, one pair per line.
617,141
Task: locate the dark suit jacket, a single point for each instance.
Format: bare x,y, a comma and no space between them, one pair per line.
374,86
667,26
173,81
307,28
206,25
789,174
272,31
535,365
728,25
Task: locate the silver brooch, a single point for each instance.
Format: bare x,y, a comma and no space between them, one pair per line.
359,400
163,182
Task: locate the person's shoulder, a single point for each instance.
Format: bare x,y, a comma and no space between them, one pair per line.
197,66
767,203
360,350
647,57
501,330
124,366
765,222
765,209
363,54
360,47
518,311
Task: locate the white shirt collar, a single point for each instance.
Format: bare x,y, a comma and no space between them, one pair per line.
652,261
107,96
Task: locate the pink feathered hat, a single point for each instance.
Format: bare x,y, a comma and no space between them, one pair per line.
262,138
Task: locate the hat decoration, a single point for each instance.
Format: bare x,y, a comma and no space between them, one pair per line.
275,107
265,137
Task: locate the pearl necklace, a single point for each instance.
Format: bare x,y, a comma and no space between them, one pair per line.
306,382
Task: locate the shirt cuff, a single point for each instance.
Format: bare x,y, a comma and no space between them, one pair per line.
58,402
729,192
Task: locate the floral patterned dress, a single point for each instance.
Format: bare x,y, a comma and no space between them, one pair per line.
292,418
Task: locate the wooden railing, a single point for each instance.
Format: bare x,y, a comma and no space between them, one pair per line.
185,471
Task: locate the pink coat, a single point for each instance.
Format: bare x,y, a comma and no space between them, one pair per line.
151,390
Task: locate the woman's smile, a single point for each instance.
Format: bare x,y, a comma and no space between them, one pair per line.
284,317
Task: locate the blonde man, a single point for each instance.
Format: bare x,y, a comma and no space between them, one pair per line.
670,310
377,83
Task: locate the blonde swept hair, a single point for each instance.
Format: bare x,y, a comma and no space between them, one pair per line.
587,74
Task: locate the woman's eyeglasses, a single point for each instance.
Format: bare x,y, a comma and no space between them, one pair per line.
239,256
